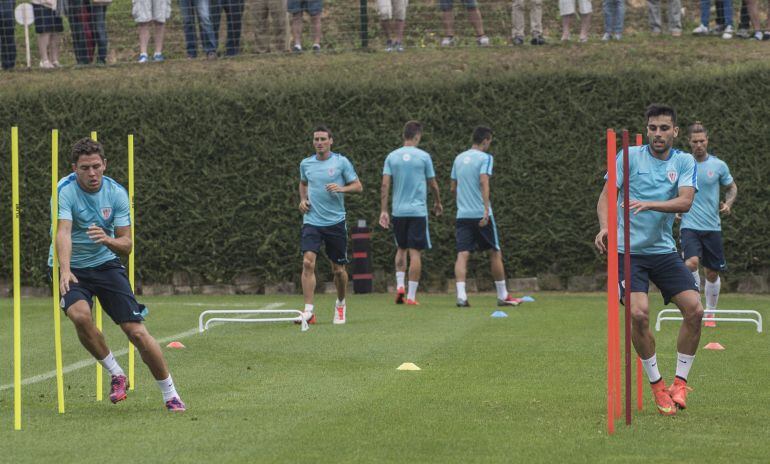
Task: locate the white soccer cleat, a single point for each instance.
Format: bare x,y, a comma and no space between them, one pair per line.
339,313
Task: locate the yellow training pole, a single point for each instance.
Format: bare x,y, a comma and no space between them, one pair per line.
16,280
55,267
98,316
131,272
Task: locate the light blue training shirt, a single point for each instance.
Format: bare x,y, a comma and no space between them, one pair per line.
704,214
108,208
410,169
652,179
326,208
467,168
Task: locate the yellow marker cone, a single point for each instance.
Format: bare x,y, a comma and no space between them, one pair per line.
408,367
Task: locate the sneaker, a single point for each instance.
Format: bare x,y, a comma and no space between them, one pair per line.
718,30
757,35
728,33
143,58
118,388
296,48
707,322
676,33
606,37
56,64
339,314
743,33
618,36
389,46
309,317
316,48
45,64
537,40
447,41
175,405
158,58
412,302
583,39
702,29
463,303
400,295
678,392
766,35
399,47
518,40
509,301
662,399
211,56
483,41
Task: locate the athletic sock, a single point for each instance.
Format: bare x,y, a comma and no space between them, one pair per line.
712,293
337,302
308,308
683,365
502,291
111,365
461,291
400,279
167,388
651,368
412,293
696,276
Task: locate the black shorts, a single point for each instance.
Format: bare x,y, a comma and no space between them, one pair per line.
666,271
46,20
411,232
109,283
706,245
334,237
471,237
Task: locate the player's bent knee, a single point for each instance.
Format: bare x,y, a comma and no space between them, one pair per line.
693,315
640,317
308,264
692,264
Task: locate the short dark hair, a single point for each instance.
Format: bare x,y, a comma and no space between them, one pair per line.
412,129
481,133
323,128
697,128
86,146
656,109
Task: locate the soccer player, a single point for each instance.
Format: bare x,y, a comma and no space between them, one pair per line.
410,169
662,182
475,228
325,178
93,228
701,228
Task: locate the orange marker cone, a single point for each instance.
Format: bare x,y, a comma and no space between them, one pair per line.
175,345
714,346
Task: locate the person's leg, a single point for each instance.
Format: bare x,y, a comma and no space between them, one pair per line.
689,304
7,30
54,45
461,266
90,337
340,281
474,16
216,7
144,37
399,20
400,265
620,18
496,265
448,22
641,336
77,29
415,270
385,11
277,13
315,20
234,26
296,29
727,5
712,287
308,276
609,8
705,12
261,13
148,348
43,40
160,31
692,264
585,26
208,42
653,7
745,20
99,26
187,10
675,17
517,18
565,24
536,18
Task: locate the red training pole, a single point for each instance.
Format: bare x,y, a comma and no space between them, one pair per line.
639,141
612,279
627,272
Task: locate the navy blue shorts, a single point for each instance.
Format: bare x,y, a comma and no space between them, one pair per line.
471,237
334,237
46,20
313,7
411,232
109,283
706,245
666,271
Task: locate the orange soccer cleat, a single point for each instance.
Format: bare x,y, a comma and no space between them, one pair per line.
400,294
663,401
678,392
412,302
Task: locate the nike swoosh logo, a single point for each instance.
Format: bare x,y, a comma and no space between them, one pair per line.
653,365
683,362
136,313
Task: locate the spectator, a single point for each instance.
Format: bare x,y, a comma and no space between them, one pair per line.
535,21
567,9
269,25
155,12
79,16
48,27
743,26
614,15
234,11
98,28
705,13
674,17
393,19
7,29
756,21
314,8
190,10
474,17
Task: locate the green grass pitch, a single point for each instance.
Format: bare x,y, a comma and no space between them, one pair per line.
527,388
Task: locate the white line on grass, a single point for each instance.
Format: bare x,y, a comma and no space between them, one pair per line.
90,362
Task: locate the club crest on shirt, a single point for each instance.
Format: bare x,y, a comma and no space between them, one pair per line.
466,160
407,157
106,213
710,173
331,172
672,175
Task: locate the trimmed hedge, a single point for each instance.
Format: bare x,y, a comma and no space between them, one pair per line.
217,167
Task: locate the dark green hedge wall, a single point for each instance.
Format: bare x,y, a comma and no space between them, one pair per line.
217,168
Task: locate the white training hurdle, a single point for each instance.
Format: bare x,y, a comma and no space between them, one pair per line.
297,317
756,319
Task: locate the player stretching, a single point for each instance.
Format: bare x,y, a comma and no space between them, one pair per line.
701,229
662,182
475,228
324,179
93,226
410,169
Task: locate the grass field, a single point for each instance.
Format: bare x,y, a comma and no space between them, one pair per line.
527,388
